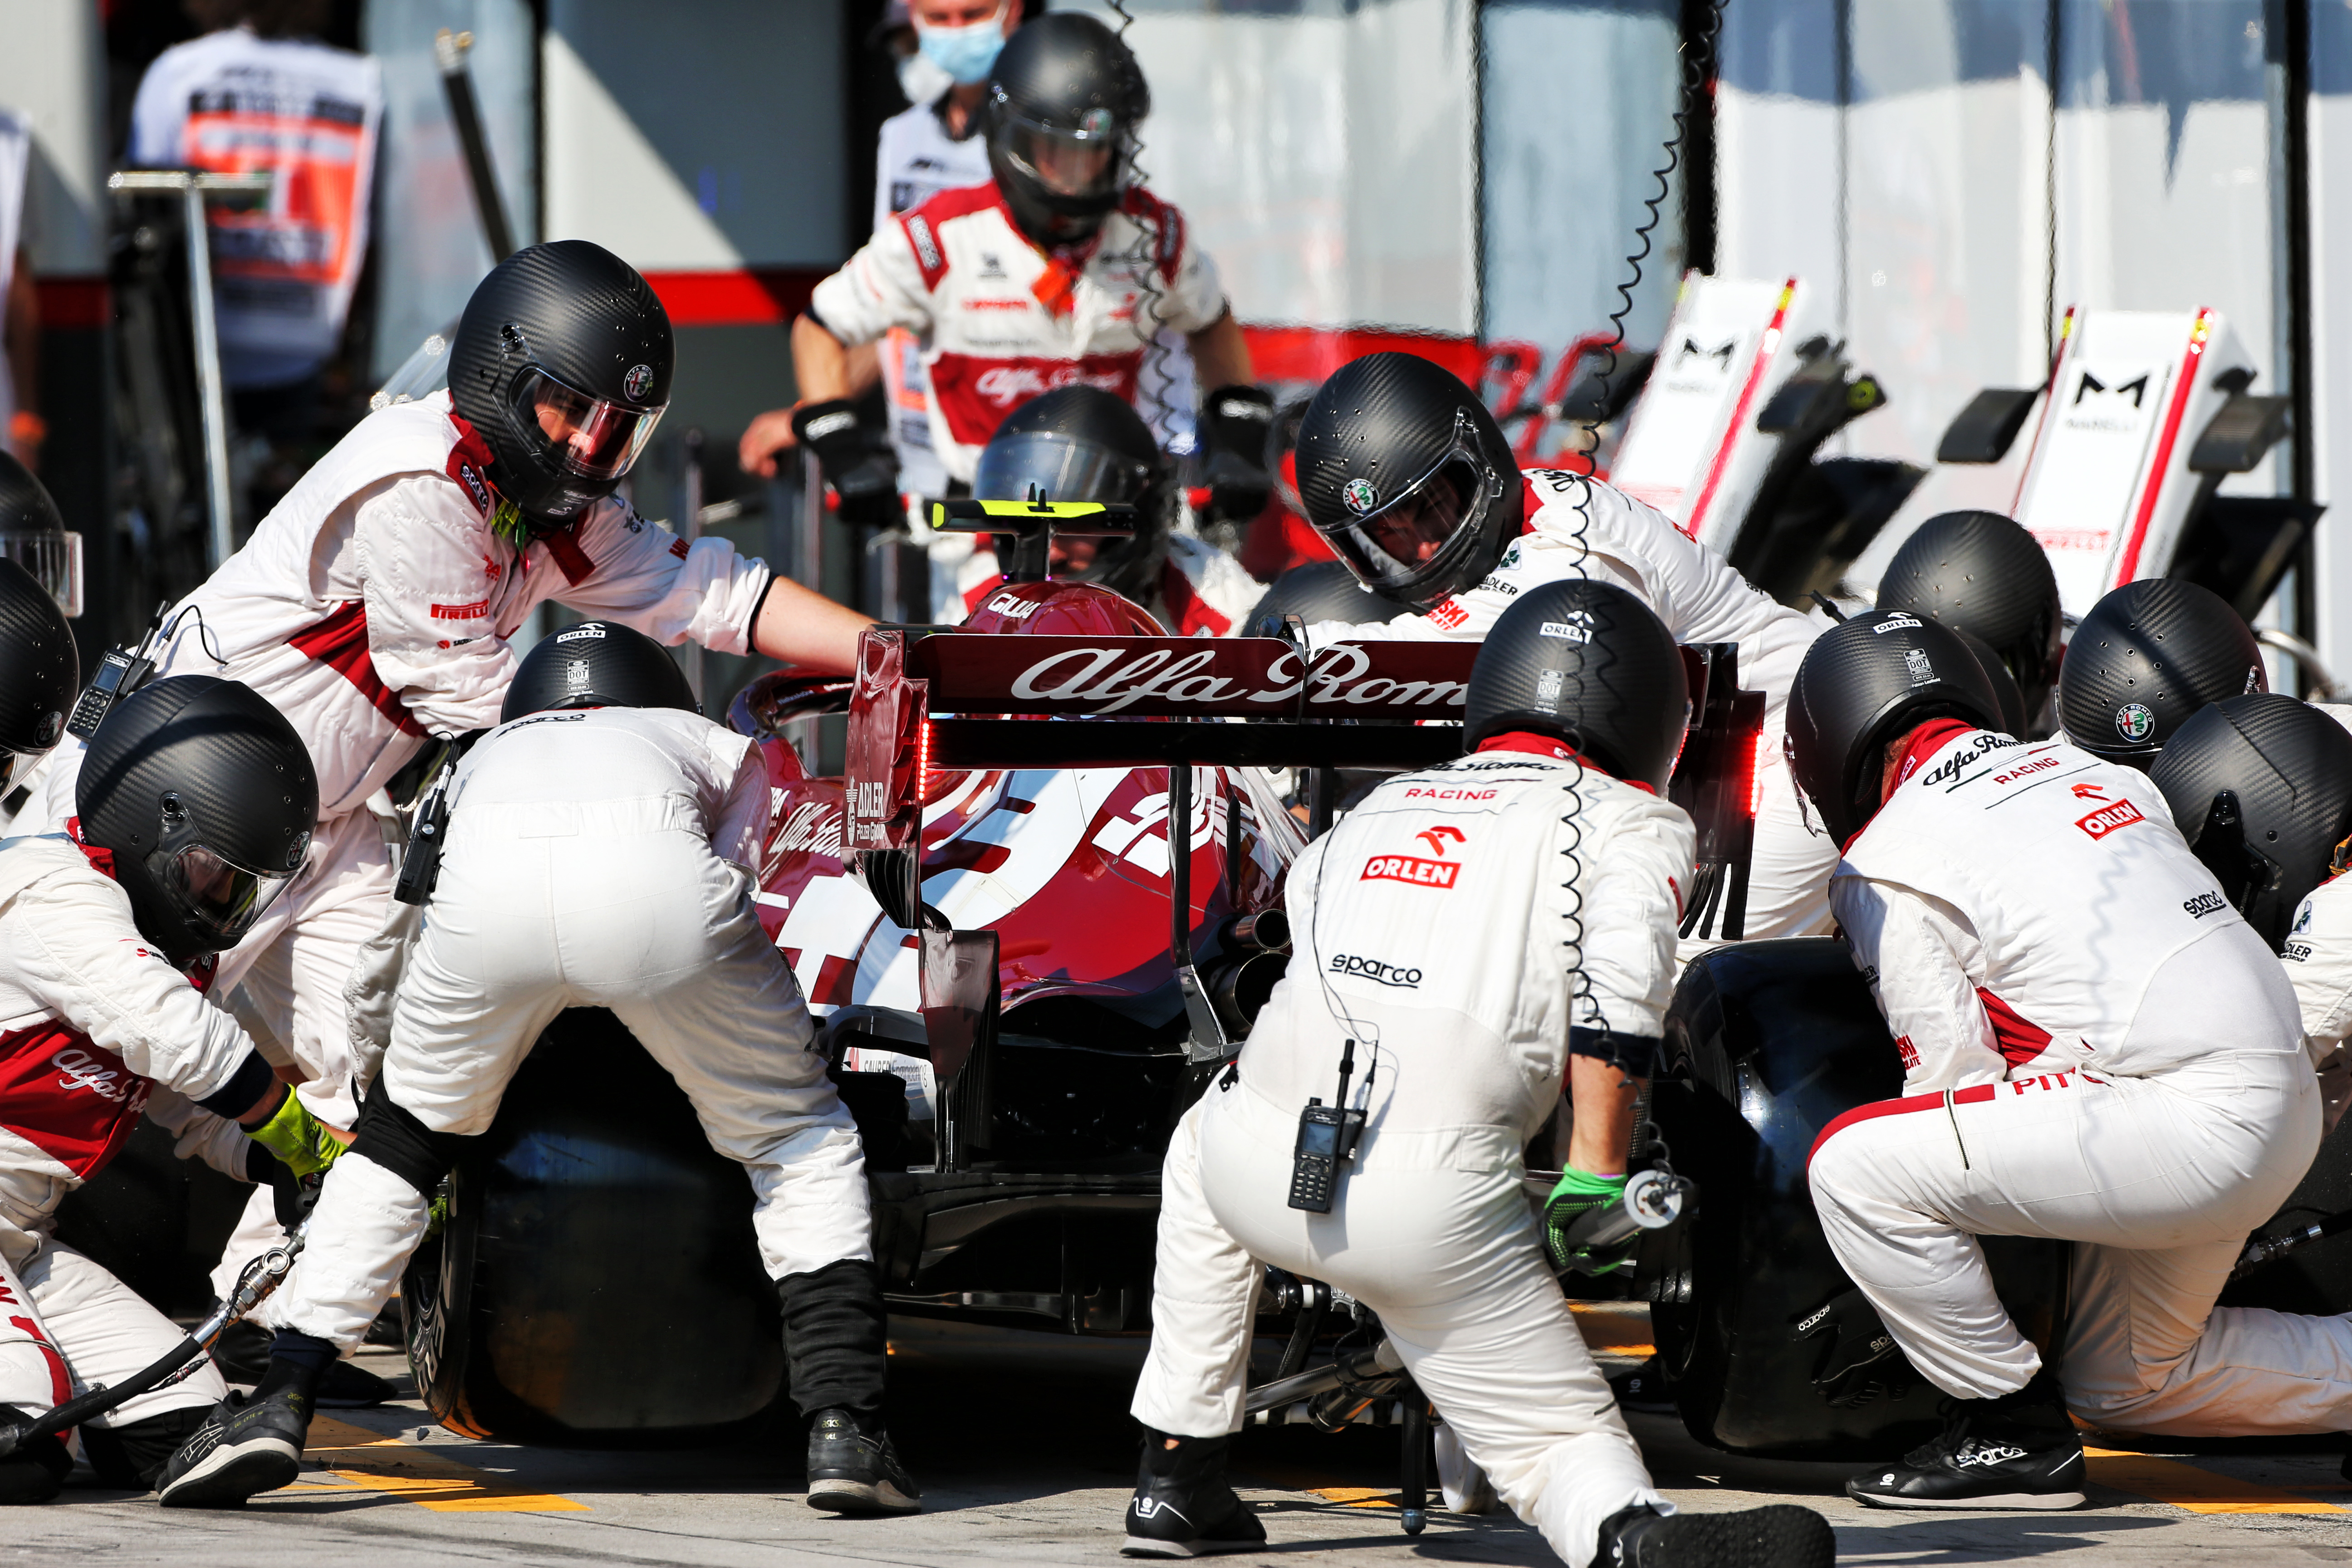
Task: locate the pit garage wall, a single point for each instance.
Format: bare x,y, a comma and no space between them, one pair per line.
1910,156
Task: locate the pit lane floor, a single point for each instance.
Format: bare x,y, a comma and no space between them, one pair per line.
1023,1442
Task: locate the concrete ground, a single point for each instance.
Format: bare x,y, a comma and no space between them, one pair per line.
1023,1446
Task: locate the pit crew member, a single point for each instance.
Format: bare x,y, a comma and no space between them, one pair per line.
599,853
194,810
1081,443
2097,1049
2147,657
1467,938
40,674
374,604
2278,847
1403,469
1981,573
1061,270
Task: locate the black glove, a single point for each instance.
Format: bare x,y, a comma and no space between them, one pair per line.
1862,1360
290,1196
865,479
1235,421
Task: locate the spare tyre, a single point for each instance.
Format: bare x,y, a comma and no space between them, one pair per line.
1766,1043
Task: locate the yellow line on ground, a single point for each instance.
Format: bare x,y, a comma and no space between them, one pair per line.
418,1475
2192,1488
1357,1496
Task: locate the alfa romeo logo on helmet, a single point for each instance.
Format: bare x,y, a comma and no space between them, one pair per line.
1359,496
633,385
2134,722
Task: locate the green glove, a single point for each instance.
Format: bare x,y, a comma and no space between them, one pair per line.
1577,1195
299,1140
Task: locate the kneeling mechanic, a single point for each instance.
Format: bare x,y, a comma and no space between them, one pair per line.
597,856
1465,938
194,810
2098,1049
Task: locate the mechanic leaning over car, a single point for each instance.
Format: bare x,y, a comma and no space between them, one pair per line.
27,654
600,852
1985,577
1402,469
1081,443
1061,270
193,811
1467,939
2097,1049
374,604
2148,657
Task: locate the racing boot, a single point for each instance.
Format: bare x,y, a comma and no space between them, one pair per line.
242,1354
1781,1536
2018,1451
36,1470
1182,1507
853,1468
252,1443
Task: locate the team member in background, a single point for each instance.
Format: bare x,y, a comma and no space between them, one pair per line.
1468,938
1081,443
261,92
1060,269
599,853
1403,469
2097,1049
374,604
39,668
194,810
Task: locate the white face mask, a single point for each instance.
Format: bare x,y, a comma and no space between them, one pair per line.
923,79
965,53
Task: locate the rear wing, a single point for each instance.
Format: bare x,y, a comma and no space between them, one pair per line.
926,701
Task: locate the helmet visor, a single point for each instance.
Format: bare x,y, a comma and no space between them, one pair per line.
218,895
1396,541
1052,466
1084,163
593,437
55,558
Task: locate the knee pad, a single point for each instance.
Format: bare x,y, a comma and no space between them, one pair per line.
36,1471
395,1138
132,1456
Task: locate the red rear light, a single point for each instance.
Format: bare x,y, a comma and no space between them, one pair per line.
1756,779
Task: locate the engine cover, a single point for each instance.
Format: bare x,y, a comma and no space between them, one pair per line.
1766,1043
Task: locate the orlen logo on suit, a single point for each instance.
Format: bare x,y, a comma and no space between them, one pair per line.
2107,818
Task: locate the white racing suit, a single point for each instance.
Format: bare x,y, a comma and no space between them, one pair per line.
1001,322
2319,958
595,858
2098,1049
95,1029
372,607
1580,528
1462,925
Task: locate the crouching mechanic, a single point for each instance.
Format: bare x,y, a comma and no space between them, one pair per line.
1403,470
372,607
195,807
2098,1049
1466,938
597,855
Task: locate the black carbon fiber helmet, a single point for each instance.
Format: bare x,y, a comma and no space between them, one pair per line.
1405,471
2004,685
2146,658
1081,443
39,671
205,797
32,534
1589,664
1863,683
1318,590
1064,103
1980,572
2261,785
596,664
562,362
26,506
